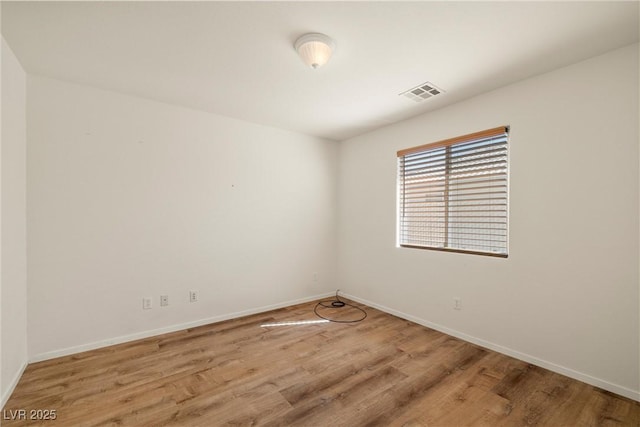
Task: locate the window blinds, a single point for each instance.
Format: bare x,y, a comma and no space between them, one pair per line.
453,194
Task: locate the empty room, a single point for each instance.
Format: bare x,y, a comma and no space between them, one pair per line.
320,213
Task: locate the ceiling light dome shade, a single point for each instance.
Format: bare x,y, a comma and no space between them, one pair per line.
315,49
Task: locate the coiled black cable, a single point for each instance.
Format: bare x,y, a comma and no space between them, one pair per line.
338,303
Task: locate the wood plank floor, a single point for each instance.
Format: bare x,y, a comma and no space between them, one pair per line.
383,371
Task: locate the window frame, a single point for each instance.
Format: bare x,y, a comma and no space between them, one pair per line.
501,131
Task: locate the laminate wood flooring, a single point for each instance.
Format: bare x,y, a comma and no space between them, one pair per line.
260,370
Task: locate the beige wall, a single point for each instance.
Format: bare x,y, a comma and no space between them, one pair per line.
13,258
129,198
567,296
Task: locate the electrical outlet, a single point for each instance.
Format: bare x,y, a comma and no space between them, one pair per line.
457,303
164,300
315,277
147,303
193,296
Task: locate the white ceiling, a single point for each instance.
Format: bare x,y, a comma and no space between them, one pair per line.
237,58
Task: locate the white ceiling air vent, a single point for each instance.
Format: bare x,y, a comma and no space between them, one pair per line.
421,92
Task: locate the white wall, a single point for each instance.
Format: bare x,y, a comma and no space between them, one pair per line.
130,198
567,296
13,258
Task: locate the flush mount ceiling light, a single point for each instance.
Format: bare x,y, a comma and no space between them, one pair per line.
315,49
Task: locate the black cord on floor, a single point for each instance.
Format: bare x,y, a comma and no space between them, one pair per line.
338,303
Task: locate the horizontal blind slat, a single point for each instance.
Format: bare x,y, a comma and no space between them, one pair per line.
411,163
454,194
500,131
444,169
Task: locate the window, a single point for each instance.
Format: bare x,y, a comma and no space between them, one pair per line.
453,194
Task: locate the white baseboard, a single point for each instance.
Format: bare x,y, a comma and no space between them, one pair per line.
597,382
173,328
12,386
614,388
